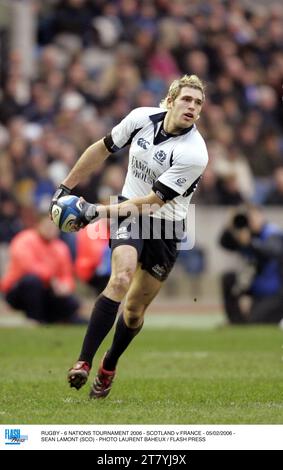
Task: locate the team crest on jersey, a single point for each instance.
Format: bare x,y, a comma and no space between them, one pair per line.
143,143
159,156
181,181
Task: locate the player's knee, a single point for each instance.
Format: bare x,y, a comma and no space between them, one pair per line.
121,281
133,314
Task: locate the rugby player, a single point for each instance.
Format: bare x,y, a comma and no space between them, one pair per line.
167,156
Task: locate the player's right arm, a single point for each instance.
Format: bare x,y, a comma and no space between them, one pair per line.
120,136
95,154
91,159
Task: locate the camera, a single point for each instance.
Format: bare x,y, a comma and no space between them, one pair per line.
240,220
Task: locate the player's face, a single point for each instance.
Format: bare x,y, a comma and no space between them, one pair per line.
185,109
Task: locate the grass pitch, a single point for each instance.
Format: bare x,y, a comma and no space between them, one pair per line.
168,375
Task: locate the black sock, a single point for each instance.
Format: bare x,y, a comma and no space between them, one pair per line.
122,338
101,321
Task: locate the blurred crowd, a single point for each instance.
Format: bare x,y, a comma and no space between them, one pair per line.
95,60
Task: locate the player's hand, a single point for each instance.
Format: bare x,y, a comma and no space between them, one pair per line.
60,192
88,214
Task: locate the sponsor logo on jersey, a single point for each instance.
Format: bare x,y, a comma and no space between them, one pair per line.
181,181
122,233
141,171
160,156
143,143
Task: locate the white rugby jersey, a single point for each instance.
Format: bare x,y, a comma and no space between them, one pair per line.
170,165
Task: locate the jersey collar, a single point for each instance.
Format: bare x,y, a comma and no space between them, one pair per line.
155,118
158,117
160,135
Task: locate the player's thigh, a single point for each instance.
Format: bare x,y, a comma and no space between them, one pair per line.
123,267
143,290
124,260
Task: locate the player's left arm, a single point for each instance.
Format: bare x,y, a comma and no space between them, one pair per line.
180,179
171,184
132,207
142,205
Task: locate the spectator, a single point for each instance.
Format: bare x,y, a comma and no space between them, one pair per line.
255,294
10,223
73,17
93,261
233,162
229,190
275,196
207,192
39,278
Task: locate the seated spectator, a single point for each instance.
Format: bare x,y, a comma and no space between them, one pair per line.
255,294
93,261
39,278
229,191
207,192
275,195
10,223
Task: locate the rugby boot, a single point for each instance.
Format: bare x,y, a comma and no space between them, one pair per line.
103,382
78,374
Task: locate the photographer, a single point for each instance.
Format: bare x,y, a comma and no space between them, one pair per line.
254,295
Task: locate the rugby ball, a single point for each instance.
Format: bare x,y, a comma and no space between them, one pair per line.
65,211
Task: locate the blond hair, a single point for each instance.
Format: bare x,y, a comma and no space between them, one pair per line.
191,81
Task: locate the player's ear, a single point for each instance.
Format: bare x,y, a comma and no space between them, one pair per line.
170,102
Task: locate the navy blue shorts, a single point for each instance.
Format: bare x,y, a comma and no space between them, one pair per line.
155,242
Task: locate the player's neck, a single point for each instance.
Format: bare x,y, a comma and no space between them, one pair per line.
170,127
